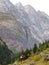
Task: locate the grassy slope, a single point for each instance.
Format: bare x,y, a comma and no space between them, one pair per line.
37,59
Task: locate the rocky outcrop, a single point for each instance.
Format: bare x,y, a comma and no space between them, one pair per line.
46,58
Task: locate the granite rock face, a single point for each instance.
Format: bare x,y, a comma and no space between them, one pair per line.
22,26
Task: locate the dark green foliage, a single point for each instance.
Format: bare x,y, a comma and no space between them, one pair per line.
25,54
35,48
16,55
44,46
5,53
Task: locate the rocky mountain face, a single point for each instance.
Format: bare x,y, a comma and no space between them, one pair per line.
40,22
22,26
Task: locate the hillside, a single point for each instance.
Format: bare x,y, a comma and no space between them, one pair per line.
38,58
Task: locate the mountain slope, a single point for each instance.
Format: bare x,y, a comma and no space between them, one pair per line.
40,22
11,30
22,26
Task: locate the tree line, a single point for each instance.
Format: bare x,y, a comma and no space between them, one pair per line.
7,56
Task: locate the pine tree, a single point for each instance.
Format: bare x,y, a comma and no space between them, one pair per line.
5,53
35,48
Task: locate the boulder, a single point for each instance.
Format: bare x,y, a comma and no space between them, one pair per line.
46,57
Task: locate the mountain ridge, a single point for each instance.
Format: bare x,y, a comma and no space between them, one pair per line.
22,26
